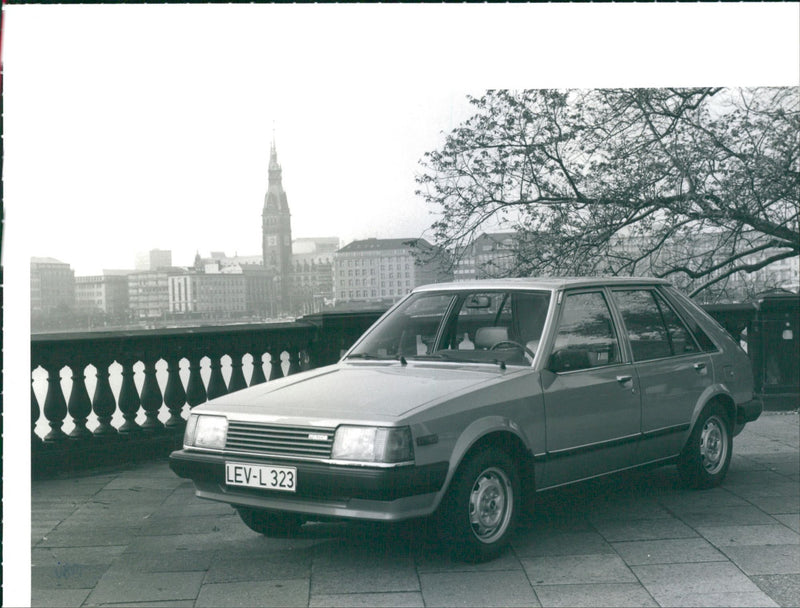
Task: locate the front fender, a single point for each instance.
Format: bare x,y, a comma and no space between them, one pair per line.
471,435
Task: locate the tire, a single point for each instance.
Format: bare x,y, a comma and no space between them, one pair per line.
705,458
271,523
479,512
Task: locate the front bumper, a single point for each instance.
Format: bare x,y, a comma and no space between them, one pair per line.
374,493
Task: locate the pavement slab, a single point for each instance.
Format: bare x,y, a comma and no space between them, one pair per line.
590,596
700,584
557,542
647,529
137,536
126,586
465,589
577,570
732,536
287,593
772,559
668,551
363,579
783,588
367,600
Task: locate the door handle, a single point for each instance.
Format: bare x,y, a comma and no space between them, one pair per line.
700,368
624,379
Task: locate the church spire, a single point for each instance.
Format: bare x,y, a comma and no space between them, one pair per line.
274,166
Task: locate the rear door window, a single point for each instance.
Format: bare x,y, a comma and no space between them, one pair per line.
644,324
586,336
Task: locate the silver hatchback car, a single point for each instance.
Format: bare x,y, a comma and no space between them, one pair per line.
465,399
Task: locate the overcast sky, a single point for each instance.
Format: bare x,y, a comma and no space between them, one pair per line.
128,128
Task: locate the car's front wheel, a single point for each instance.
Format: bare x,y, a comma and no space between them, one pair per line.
705,458
271,523
480,510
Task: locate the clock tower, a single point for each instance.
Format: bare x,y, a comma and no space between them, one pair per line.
276,230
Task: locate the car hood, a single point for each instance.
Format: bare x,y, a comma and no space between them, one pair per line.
369,391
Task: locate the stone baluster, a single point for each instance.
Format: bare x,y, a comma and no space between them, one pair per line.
294,362
151,397
128,399
35,439
258,369
237,381
55,406
103,403
79,406
216,383
174,394
276,371
195,389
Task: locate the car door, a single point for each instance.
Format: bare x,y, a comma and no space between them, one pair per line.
592,408
672,370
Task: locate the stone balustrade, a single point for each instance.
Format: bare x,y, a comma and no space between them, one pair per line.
192,360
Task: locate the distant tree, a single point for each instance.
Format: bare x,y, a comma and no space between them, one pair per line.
699,183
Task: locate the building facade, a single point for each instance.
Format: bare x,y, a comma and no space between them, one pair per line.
148,294
488,256
105,294
311,278
52,287
382,271
216,295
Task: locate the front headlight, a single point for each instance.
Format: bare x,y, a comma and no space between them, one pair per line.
206,431
372,444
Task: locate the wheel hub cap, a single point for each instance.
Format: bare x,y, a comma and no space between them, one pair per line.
488,504
712,445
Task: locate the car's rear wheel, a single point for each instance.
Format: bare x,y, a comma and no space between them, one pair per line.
271,523
704,461
479,512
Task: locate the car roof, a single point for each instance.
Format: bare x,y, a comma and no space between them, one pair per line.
546,283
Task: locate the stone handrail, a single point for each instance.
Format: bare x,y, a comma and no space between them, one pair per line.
284,348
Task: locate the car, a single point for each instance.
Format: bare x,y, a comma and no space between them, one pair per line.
466,399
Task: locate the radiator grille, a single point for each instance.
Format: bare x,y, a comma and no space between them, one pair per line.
298,441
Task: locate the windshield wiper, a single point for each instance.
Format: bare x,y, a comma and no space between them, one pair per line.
372,357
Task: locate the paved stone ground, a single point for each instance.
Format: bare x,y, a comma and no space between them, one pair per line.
138,537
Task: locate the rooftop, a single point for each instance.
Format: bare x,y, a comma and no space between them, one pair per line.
548,283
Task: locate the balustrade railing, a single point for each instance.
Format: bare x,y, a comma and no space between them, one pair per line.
144,382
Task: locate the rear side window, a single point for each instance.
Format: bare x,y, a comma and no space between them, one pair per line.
680,338
585,335
706,345
654,328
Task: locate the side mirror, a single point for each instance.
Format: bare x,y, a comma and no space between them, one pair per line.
568,359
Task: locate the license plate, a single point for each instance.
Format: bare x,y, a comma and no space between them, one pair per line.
258,476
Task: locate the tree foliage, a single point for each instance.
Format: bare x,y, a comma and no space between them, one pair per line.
690,184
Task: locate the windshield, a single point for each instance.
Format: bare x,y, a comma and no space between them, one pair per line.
480,326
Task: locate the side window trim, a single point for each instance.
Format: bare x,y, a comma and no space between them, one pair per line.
661,301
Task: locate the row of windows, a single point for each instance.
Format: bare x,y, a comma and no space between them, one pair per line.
373,293
359,262
372,282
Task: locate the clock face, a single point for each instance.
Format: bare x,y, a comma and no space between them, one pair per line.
272,240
